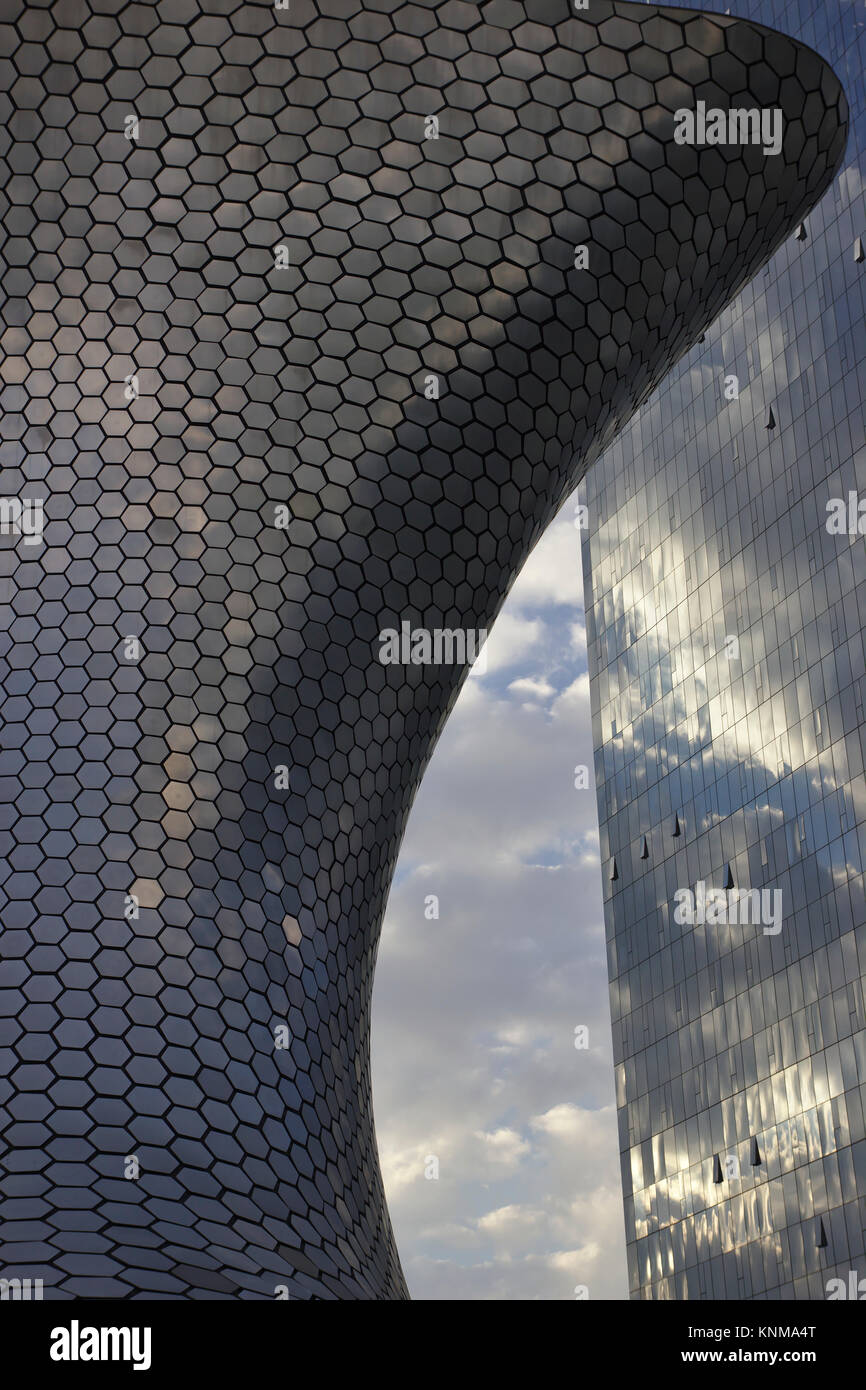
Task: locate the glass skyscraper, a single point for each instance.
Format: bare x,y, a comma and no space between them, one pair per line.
728,677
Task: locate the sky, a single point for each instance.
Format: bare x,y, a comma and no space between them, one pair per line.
474,1014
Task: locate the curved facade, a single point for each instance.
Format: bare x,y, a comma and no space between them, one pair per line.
725,631
315,316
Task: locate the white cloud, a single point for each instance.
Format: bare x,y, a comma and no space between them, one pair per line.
552,574
512,639
474,1014
573,703
561,1120
505,1222
533,687
504,1147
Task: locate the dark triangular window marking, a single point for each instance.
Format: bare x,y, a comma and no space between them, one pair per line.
756,1154
718,1175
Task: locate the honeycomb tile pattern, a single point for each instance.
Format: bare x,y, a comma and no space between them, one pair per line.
244,483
